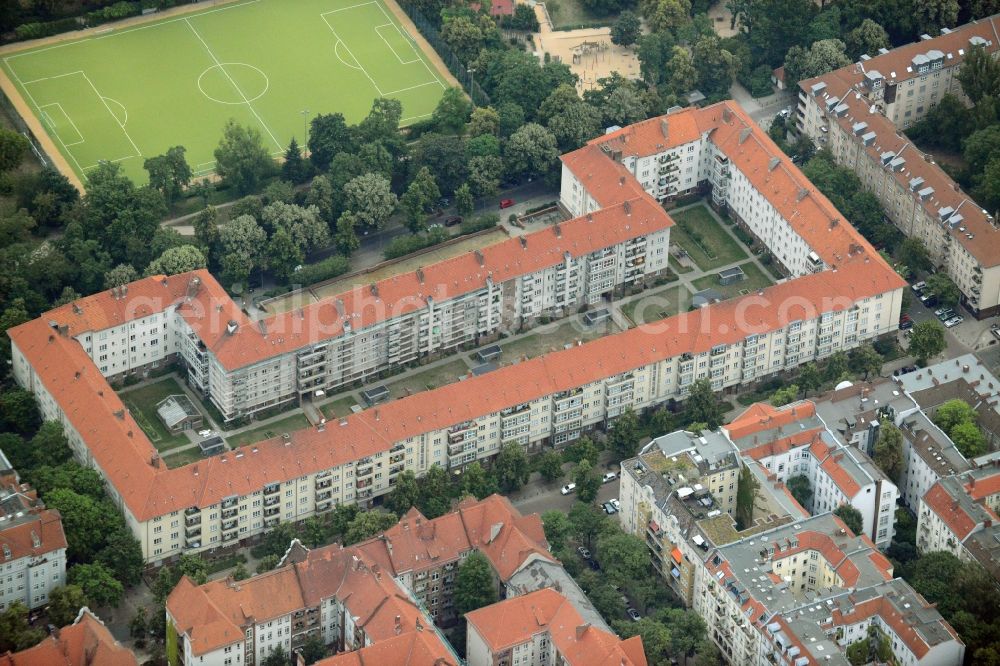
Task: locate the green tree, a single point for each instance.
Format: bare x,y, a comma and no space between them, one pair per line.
952,413
969,439
452,111
511,467
703,406
588,481
477,482
98,583
294,169
485,121
623,557
328,135
303,223
851,517
122,555
867,39
267,563
810,378
18,410
283,255
801,489
276,657
370,198
464,37
176,260
926,340
484,175
206,227
121,274
435,492
138,626
785,395
683,73
821,57
65,604
240,572
557,528
867,360
368,524
420,199
313,650
13,149
582,448
666,15
687,630
942,286
346,238
932,15
464,203
49,446
241,160
746,497
15,632
588,522
243,243
404,493
626,29
84,520
169,173
474,584
914,254
531,152
623,440
550,466
888,451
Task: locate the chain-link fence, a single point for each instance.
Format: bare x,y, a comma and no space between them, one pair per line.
456,67
23,128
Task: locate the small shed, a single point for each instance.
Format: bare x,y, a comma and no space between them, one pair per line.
212,445
375,395
778,78
483,368
706,297
489,354
596,316
695,98
178,413
732,276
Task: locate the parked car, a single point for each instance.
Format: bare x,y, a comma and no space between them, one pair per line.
616,503
584,553
452,220
568,488
610,476
918,286
954,321
944,314
506,203
634,614
204,433
609,508
929,300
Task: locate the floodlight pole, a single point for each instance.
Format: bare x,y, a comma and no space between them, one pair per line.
472,86
305,132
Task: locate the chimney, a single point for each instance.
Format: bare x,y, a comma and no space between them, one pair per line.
628,207
664,128
480,257
155,460
581,630
621,181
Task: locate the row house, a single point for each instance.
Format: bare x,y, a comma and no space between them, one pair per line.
551,399
85,642
852,112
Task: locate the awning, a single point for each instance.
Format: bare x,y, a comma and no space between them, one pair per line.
676,554
675,572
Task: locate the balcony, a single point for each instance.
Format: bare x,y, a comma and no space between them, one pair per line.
365,471
192,532
226,503
326,483
229,524
272,488
274,511
192,520
324,496
271,501
230,513
192,511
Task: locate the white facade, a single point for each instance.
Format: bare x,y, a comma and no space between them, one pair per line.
30,579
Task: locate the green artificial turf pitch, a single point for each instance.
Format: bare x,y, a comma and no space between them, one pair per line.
130,93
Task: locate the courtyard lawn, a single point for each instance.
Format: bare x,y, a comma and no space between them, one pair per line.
338,408
426,379
142,401
295,421
553,337
755,281
181,458
657,304
704,239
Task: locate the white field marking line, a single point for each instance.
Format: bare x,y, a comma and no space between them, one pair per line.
336,45
238,89
344,9
120,159
156,24
104,101
46,78
360,66
31,98
398,57
415,49
419,85
112,99
422,115
66,116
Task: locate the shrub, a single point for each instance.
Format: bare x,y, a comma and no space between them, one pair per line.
330,267
480,223
404,245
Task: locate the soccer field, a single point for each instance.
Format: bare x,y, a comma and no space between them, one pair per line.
130,93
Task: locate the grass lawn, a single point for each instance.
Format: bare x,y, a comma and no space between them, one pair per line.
142,404
658,304
553,337
338,408
131,92
296,421
704,239
676,267
565,13
755,280
427,379
181,458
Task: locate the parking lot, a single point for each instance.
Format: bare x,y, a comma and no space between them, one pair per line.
965,335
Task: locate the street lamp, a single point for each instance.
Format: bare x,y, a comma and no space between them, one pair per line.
305,132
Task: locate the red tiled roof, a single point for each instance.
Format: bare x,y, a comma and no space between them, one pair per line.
761,416
950,511
20,539
516,620
980,489
86,642
414,648
831,465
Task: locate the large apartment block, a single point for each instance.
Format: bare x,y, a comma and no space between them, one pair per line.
856,111
843,294
32,544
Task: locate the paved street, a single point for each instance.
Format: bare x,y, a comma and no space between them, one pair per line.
762,109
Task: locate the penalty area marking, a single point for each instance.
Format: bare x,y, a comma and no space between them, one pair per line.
398,32
52,125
